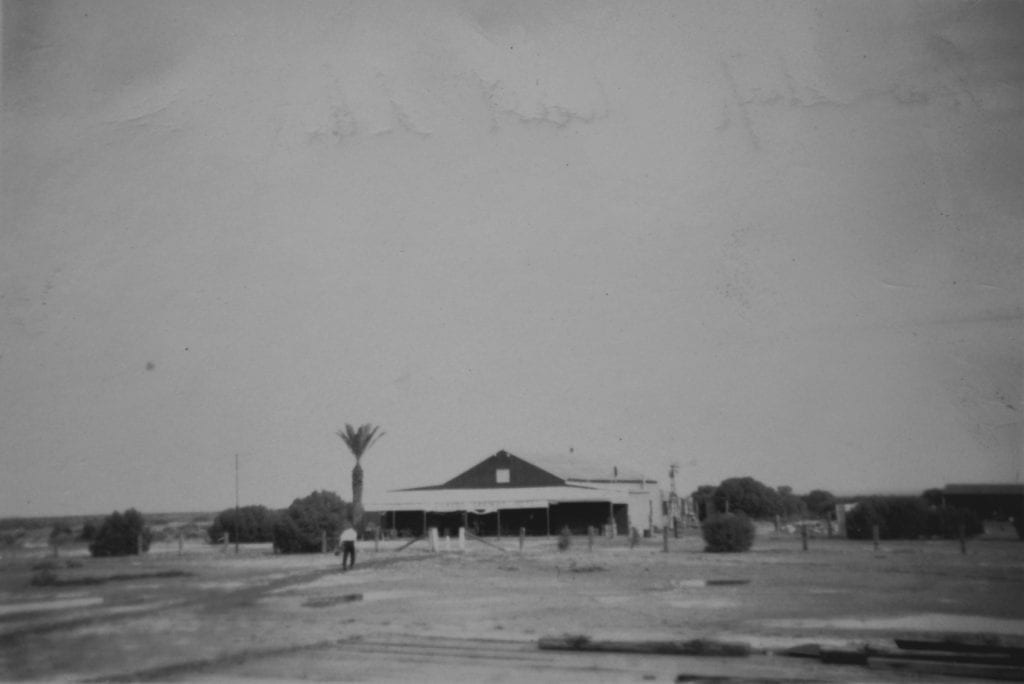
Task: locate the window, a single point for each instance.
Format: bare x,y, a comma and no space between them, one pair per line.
501,476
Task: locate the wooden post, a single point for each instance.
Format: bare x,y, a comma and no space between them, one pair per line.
803,536
547,518
236,504
590,537
664,539
432,534
963,538
874,535
323,541
522,538
498,513
462,539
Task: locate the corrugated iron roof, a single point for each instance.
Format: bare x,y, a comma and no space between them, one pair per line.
489,499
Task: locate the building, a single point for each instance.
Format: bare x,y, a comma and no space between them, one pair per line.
990,501
542,494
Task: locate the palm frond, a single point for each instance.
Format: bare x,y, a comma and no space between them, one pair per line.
358,441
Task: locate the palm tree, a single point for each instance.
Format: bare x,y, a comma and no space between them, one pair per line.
358,441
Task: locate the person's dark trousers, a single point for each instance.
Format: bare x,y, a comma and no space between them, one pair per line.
348,555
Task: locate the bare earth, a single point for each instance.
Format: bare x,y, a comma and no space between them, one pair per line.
412,615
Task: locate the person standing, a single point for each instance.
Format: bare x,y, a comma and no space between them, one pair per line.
348,547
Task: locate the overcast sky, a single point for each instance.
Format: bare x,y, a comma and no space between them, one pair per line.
783,240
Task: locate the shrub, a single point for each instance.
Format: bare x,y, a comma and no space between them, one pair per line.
564,539
946,523
120,534
254,525
897,517
61,533
298,528
726,532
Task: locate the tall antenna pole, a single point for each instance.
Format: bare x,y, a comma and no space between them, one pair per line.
236,503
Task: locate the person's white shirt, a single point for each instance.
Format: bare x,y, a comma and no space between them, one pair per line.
349,535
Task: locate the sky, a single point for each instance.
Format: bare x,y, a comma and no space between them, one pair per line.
778,239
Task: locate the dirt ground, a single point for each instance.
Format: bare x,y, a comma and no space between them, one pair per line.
476,615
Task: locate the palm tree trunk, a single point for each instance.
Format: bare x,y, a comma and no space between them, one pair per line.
357,493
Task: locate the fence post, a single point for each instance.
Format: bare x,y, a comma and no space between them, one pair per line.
874,535
590,537
432,534
803,536
664,538
462,539
963,538
323,541
522,538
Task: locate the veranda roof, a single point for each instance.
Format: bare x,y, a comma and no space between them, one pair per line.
489,500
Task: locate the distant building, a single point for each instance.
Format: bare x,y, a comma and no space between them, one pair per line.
542,494
989,501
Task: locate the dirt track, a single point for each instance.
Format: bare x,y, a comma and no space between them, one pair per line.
477,616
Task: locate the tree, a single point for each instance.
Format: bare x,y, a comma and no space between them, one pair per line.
790,505
358,442
746,494
253,525
819,502
933,497
121,534
300,528
704,500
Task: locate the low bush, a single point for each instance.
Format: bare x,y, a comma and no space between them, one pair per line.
727,532
121,534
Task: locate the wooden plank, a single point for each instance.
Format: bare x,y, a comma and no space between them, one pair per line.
693,647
